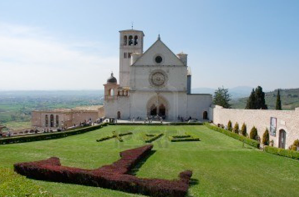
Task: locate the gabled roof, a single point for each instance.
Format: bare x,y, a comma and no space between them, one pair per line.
158,48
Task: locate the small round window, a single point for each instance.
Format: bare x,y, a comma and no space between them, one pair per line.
158,59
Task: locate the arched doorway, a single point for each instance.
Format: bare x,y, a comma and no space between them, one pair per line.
162,110
282,138
118,115
205,115
157,105
153,110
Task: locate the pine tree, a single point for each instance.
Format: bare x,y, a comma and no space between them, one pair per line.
222,98
266,137
278,101
244,129
251,101
260,98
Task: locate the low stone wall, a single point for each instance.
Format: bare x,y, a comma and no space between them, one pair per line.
287,120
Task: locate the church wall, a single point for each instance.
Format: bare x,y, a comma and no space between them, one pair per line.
80,116
121,104
197,104
176,78
286,119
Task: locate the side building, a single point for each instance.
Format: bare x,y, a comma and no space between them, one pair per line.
65,118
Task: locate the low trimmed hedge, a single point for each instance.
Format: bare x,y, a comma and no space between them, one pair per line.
244,139
48,136
114,176
282,152
155,124
115,135
183,138
152,137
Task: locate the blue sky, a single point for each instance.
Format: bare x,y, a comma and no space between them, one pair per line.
72,44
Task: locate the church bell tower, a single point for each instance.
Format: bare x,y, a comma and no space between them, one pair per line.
131,42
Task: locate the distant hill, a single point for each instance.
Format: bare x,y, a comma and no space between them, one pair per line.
289,99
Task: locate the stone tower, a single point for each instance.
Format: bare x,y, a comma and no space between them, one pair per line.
131,42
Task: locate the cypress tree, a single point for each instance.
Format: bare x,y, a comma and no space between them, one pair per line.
236,128
229,126
251,101
260,98
266,137
278,101
244,130
253,133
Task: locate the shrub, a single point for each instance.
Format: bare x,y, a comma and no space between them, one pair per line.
246,140
115,135
295,145
236,128
244,130
266,137
114,176
253,133
229,126
183,138
282,152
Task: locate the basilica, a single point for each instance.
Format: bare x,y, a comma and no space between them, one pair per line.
152,83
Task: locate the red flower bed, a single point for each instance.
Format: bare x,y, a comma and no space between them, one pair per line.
112,176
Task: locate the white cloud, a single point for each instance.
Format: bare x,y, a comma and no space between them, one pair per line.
30,59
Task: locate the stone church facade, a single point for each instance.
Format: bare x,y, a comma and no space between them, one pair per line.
152,83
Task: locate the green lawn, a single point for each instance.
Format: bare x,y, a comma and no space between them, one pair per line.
221,166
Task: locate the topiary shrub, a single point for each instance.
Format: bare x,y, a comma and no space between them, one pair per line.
229,126
236,128
253,133
244,129
295,145
266,137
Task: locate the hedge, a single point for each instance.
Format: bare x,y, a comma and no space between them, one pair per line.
48,136
244,139
155,124
115,135
183,138
12,184
282,152
152,137
114,176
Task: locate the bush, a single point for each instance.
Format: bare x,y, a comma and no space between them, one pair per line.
266,137
244,130
246,140
295,145
229,126
114,176
282,152
253,133
12,184
236,128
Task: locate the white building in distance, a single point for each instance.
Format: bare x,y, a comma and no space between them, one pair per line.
151,83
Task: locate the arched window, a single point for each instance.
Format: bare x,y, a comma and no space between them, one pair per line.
125,40
51,120
118,115
112,92
282,139
130,40
135,40
57,121
46,121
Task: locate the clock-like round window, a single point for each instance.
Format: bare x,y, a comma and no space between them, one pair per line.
158,78
158,59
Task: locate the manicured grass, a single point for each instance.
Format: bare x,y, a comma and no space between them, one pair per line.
221,166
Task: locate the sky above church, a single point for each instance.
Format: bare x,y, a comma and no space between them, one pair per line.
74,44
